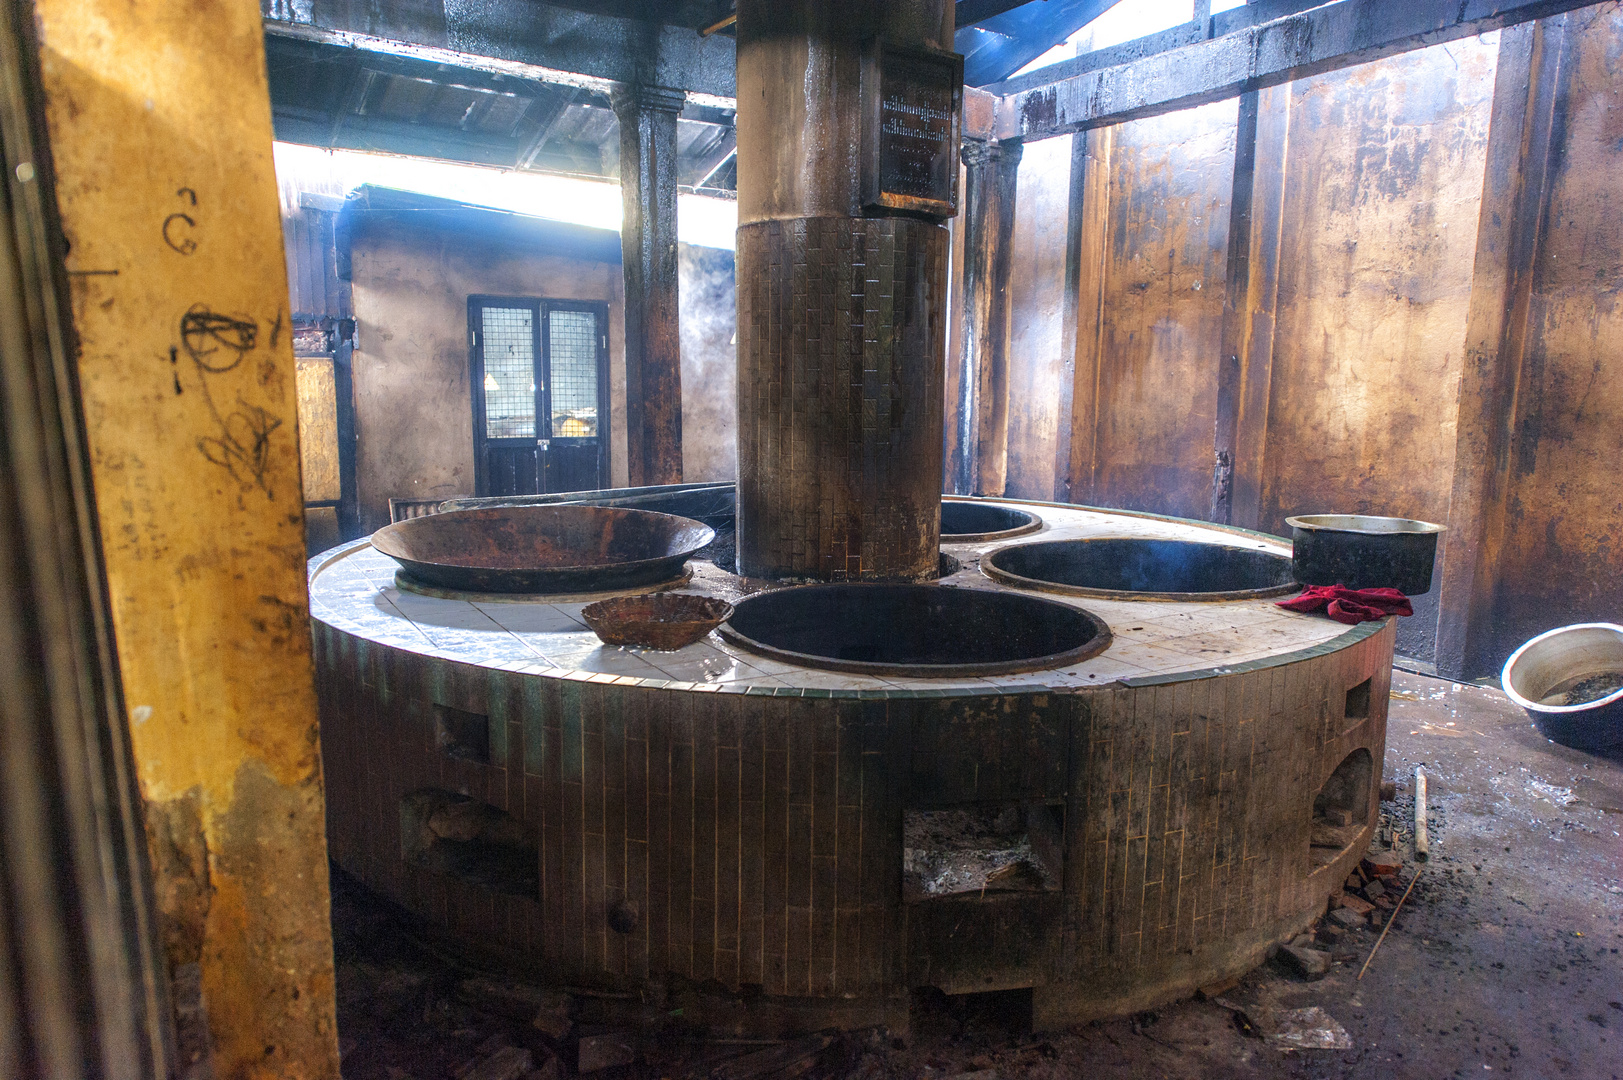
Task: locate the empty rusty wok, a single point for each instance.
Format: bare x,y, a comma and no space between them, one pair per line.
543,549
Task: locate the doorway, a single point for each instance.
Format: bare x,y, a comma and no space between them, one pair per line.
540,400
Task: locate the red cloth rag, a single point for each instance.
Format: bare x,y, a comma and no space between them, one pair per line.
1350,606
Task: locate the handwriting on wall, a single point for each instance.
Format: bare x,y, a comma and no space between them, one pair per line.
177,225
217,343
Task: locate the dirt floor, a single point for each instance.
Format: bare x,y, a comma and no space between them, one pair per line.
1503,961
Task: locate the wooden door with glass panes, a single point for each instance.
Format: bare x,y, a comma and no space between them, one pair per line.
540,395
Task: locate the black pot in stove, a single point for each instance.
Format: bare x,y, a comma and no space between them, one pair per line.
1364,552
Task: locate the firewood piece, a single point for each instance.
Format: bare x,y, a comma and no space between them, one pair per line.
1019,874
1421,841
785,1060
1389,922
507,1063
604,1052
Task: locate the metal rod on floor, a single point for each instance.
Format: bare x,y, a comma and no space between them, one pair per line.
1390,919
1421,841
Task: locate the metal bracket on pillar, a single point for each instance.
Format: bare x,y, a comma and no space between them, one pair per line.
648,179
980,458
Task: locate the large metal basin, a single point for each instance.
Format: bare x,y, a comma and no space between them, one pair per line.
1547,672
543,549
1139,568
922,631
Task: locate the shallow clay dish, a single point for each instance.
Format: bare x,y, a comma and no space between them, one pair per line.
658,621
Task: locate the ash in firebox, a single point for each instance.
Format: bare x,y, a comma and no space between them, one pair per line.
978,849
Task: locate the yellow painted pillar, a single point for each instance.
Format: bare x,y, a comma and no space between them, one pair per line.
160,129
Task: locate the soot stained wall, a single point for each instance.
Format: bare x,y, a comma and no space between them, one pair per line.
1561,559
1383,182
413,413
1151,311
1379,179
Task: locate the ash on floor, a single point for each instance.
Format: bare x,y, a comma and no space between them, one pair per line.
1503,961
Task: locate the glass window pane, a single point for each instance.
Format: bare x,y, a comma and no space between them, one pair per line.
509,348
572,336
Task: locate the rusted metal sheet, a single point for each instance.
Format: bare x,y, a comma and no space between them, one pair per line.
1152,288
1324,39
1529,82
1559,560
159,124
1040,310
1383,179
1382,184
1250,299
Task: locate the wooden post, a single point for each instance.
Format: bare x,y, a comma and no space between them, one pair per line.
1524,138
159,126
648,243
84,986
1251,289
991,170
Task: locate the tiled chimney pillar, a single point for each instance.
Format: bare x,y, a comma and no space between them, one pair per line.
841,310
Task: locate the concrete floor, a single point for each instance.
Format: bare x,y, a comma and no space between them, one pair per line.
1504,961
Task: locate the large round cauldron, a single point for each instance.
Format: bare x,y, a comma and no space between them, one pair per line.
1143,569
543,549
924,631
963,522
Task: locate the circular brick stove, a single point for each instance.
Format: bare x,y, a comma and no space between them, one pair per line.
1166,810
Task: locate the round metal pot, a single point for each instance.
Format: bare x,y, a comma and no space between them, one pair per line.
1565,663
1364,552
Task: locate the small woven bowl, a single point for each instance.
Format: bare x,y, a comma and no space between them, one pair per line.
657,621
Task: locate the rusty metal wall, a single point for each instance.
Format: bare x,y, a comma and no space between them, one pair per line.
1560,559
1382,186
1144,400
1383,179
